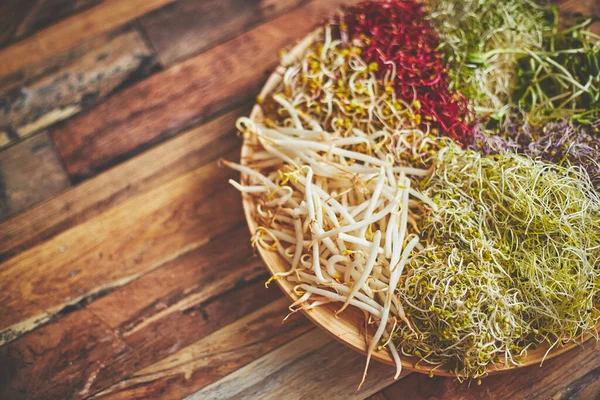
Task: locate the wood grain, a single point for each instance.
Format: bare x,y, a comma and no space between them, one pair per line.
192,287
586,387
115,248
560,378
185,282
77,82
199,292
69,359
213,357
196,320
189,27
71,31
188,93
20,18
312,366
29,173
178,156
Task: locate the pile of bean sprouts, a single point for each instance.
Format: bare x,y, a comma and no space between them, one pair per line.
464,260
338,205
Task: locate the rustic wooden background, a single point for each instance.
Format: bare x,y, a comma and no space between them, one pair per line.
125,264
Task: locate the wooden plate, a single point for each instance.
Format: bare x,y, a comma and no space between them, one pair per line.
349,326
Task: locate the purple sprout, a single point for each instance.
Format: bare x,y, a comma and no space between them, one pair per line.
557,142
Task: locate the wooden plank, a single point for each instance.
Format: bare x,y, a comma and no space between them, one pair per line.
188,314
53,62
71,358
115,248
183,301
69,32
162,164
185,282
560,378
29,173
170,101
20,18
78,81
213,357
189,27
586,387
312,366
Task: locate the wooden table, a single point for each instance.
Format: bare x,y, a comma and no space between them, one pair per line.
125,264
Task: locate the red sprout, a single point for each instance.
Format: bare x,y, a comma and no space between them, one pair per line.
397,31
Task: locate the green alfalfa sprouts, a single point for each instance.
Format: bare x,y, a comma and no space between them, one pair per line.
511,262
520,57
562,80
470,29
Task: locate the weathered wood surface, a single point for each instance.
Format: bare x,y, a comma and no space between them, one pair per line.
81,78
276,375
572,376
29,172
126,270
186,94
212,357
115,248
70,359
187,152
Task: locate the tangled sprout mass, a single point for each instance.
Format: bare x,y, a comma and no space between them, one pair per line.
398,38
512,261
